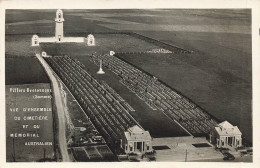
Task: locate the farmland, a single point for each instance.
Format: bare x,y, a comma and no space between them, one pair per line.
34,26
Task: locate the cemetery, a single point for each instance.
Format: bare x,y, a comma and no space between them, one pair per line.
127,100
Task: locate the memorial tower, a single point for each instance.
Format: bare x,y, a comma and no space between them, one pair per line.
59,26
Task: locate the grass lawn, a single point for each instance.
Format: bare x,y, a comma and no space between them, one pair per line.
24,70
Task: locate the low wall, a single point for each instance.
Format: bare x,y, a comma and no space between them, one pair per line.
73,39
46,39
63,40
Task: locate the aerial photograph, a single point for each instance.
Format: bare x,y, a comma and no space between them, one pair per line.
128,85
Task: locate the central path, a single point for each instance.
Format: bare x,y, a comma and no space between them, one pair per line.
60,110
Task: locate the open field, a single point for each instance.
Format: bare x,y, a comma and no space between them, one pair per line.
19,45
183,16
220,51
25,100
24,70
32,17
134,19
201,41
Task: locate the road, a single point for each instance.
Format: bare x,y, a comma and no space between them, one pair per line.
60,110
